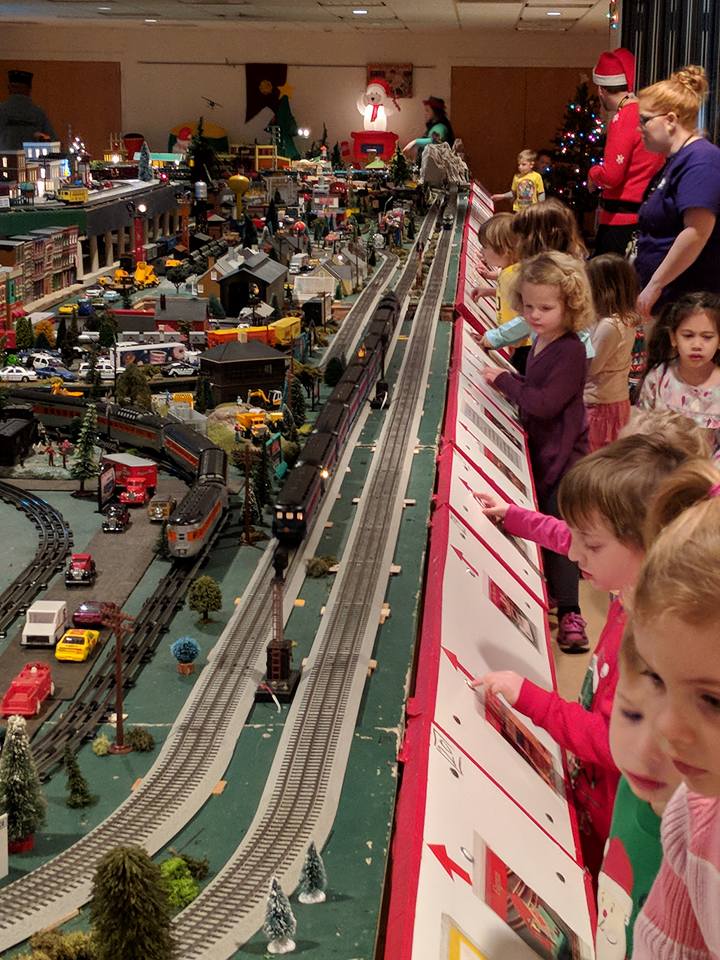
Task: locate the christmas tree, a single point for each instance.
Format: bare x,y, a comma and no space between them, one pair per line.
280,922
130,911
580,143
336,158
20,796
24,339
84,465
262,478
201,157
313,879
144,167
78,793
399,167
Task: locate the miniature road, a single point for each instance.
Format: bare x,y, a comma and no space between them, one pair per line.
303,788
54,542
191,762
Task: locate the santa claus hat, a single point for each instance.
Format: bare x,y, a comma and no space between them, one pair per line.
385,87
617,867
615,68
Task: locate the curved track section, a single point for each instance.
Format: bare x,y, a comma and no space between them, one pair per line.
304,784
195,755
54,542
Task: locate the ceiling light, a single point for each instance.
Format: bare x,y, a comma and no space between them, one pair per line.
360,12
104,9
150,20
553,13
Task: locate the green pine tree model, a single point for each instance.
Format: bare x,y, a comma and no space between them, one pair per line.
144,166
313,879
78,792
336,158
130,913
399,168
280,924
106,334
132,387
24,339
61,335
20,796
181,886
204,596
84,465
580,141
201,156
262,477
41,341
215,308
296,402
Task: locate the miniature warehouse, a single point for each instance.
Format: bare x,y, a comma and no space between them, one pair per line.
242,429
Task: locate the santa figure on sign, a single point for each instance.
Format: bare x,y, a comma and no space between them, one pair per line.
376,105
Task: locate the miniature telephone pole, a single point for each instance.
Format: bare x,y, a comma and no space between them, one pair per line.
247,536
281,679
120,625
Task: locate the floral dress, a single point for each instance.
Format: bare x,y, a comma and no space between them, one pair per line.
664,390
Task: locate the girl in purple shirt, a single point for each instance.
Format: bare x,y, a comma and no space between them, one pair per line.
553,294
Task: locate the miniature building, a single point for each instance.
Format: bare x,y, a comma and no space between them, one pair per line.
255,268
47,257
235,368
172,312
11,298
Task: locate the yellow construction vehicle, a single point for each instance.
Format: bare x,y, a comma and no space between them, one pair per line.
256,424
145,275
260,398
58,389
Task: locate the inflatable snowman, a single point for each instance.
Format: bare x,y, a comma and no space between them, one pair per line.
376,105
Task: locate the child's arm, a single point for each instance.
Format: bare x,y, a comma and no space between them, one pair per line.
549,532
563,381
507,333
648,391
585,733
503,196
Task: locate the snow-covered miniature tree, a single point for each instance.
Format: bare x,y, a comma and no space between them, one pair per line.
84,465
20,796
144,167
280,924
204,595
313,879
78,792
130,913
296,402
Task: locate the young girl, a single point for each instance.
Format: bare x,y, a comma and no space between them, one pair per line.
675,611
604,500
683,370
614,286
546,226
499,242
553,293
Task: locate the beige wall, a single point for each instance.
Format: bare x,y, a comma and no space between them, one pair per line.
326,68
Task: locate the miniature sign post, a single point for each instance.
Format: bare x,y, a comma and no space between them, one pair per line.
120,625
4,864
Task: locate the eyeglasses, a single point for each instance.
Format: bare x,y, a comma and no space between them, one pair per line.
644,119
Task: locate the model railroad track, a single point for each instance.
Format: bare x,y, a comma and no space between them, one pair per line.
96,700
304,784
194,756
54,542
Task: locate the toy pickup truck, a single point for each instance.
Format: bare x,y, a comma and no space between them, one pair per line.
27,691
81,570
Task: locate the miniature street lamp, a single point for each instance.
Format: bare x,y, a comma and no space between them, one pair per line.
137,212
120,625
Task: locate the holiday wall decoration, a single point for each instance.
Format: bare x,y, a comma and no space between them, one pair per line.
264,85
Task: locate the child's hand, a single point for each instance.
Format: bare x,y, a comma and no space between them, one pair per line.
478,293
504,682
497,196
485,343
488,273
490,374
492,507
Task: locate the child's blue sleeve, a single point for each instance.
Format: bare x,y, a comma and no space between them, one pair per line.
508,333
587,343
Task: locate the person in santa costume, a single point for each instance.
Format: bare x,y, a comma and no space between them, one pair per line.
627,167
438,128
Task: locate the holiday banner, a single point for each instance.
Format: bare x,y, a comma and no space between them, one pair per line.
263,83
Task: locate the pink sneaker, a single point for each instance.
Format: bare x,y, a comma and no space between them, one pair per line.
571,636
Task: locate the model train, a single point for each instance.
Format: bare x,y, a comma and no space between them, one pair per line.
305,485
193,455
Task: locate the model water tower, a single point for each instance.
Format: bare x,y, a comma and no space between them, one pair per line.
239,186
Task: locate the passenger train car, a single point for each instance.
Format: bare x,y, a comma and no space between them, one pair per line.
305,485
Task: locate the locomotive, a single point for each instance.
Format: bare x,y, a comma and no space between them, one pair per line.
305,485
194,456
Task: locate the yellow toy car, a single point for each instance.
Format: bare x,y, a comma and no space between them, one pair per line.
76,644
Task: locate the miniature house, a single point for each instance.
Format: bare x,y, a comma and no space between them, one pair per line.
259,269
235,368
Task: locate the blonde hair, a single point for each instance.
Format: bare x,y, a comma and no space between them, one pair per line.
528,155
497,233
681,573
616,484
615,288
548,226
558,270
683,93
675,429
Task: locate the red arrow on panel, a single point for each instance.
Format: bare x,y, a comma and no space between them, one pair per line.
448,864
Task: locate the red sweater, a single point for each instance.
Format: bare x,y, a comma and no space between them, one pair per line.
583,727
627,167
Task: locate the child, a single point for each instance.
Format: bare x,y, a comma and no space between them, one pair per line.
604,500
555,298
527,186
648,779
499,242
675,611
546,226
683,368
615,289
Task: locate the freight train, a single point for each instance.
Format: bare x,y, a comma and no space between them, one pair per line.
305,485
194,456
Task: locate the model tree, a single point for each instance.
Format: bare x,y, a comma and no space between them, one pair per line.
580,142
20,796
333,371
47,329
175,276
106,334
132,387
144,166
78,792
181,886
313,879
215,308
201,157
93,374
61,335
84,465
262,477
130,913
249,232
41,341
271,216
203,394
399,168
205,595
296,401
336,157
280,924
24,339
254,514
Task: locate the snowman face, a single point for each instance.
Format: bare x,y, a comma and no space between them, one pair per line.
375,94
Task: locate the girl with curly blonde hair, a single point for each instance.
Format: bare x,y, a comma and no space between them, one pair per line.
553,294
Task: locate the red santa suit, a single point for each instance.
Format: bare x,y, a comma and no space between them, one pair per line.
627,167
